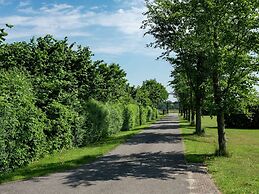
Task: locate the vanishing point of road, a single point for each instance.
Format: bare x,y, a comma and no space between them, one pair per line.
151,162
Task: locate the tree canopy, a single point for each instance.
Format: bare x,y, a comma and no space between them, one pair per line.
215,39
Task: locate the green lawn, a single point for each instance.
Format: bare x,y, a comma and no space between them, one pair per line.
238,173
69,159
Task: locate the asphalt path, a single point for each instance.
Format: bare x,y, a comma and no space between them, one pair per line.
151,162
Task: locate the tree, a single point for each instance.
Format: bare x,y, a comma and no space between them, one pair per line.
3,33
225,31
156,92
172,23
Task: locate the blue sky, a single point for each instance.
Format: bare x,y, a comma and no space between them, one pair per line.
109,27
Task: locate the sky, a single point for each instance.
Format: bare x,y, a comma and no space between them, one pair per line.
111,28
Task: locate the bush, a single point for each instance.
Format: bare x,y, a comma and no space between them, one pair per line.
149,113
155,114
143,115
247,121
96,124
21,122
101,120
61,121
131,116
115,118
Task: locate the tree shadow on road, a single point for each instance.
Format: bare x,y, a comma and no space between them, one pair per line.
147,165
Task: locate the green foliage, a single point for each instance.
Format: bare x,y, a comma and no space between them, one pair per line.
61,119
96,126
3,33
50,108
21,124
155,114
242,120
149,113
143,115
115,118
214,40
102,120
131,116
156,91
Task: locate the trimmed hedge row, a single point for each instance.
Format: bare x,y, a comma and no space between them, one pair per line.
27,132
250,121
22,124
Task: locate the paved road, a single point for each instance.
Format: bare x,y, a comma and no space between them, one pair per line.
150,163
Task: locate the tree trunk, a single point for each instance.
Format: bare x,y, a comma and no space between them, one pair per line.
198,105
198,119
192,116
140,115
220,116
221,134
192,108
189,115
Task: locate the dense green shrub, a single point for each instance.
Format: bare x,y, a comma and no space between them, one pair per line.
101,120
143,115
155,114
96,124
149,113
242,120
61,121
21,124
115,118
131,116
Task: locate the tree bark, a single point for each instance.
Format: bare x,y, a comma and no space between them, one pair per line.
198,118
221,134
189,115
140,115
192,109
192,116
222,143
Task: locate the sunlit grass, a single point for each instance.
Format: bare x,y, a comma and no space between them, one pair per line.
238,173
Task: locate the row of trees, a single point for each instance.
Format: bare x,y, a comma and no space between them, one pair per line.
213,47
54,96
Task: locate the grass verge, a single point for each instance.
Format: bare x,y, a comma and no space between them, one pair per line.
69,159
238,173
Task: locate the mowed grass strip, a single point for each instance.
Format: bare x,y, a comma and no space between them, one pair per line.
69,159
238,173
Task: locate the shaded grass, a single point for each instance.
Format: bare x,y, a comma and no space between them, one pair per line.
69,159
238,173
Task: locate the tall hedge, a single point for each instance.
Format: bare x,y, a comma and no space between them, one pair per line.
155,114
21,124
61,121
131,116
115,118
143,115
149,113
102,120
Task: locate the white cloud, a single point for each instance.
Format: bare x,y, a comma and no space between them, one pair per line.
27,10
66,20
64,16
127,21
24,3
